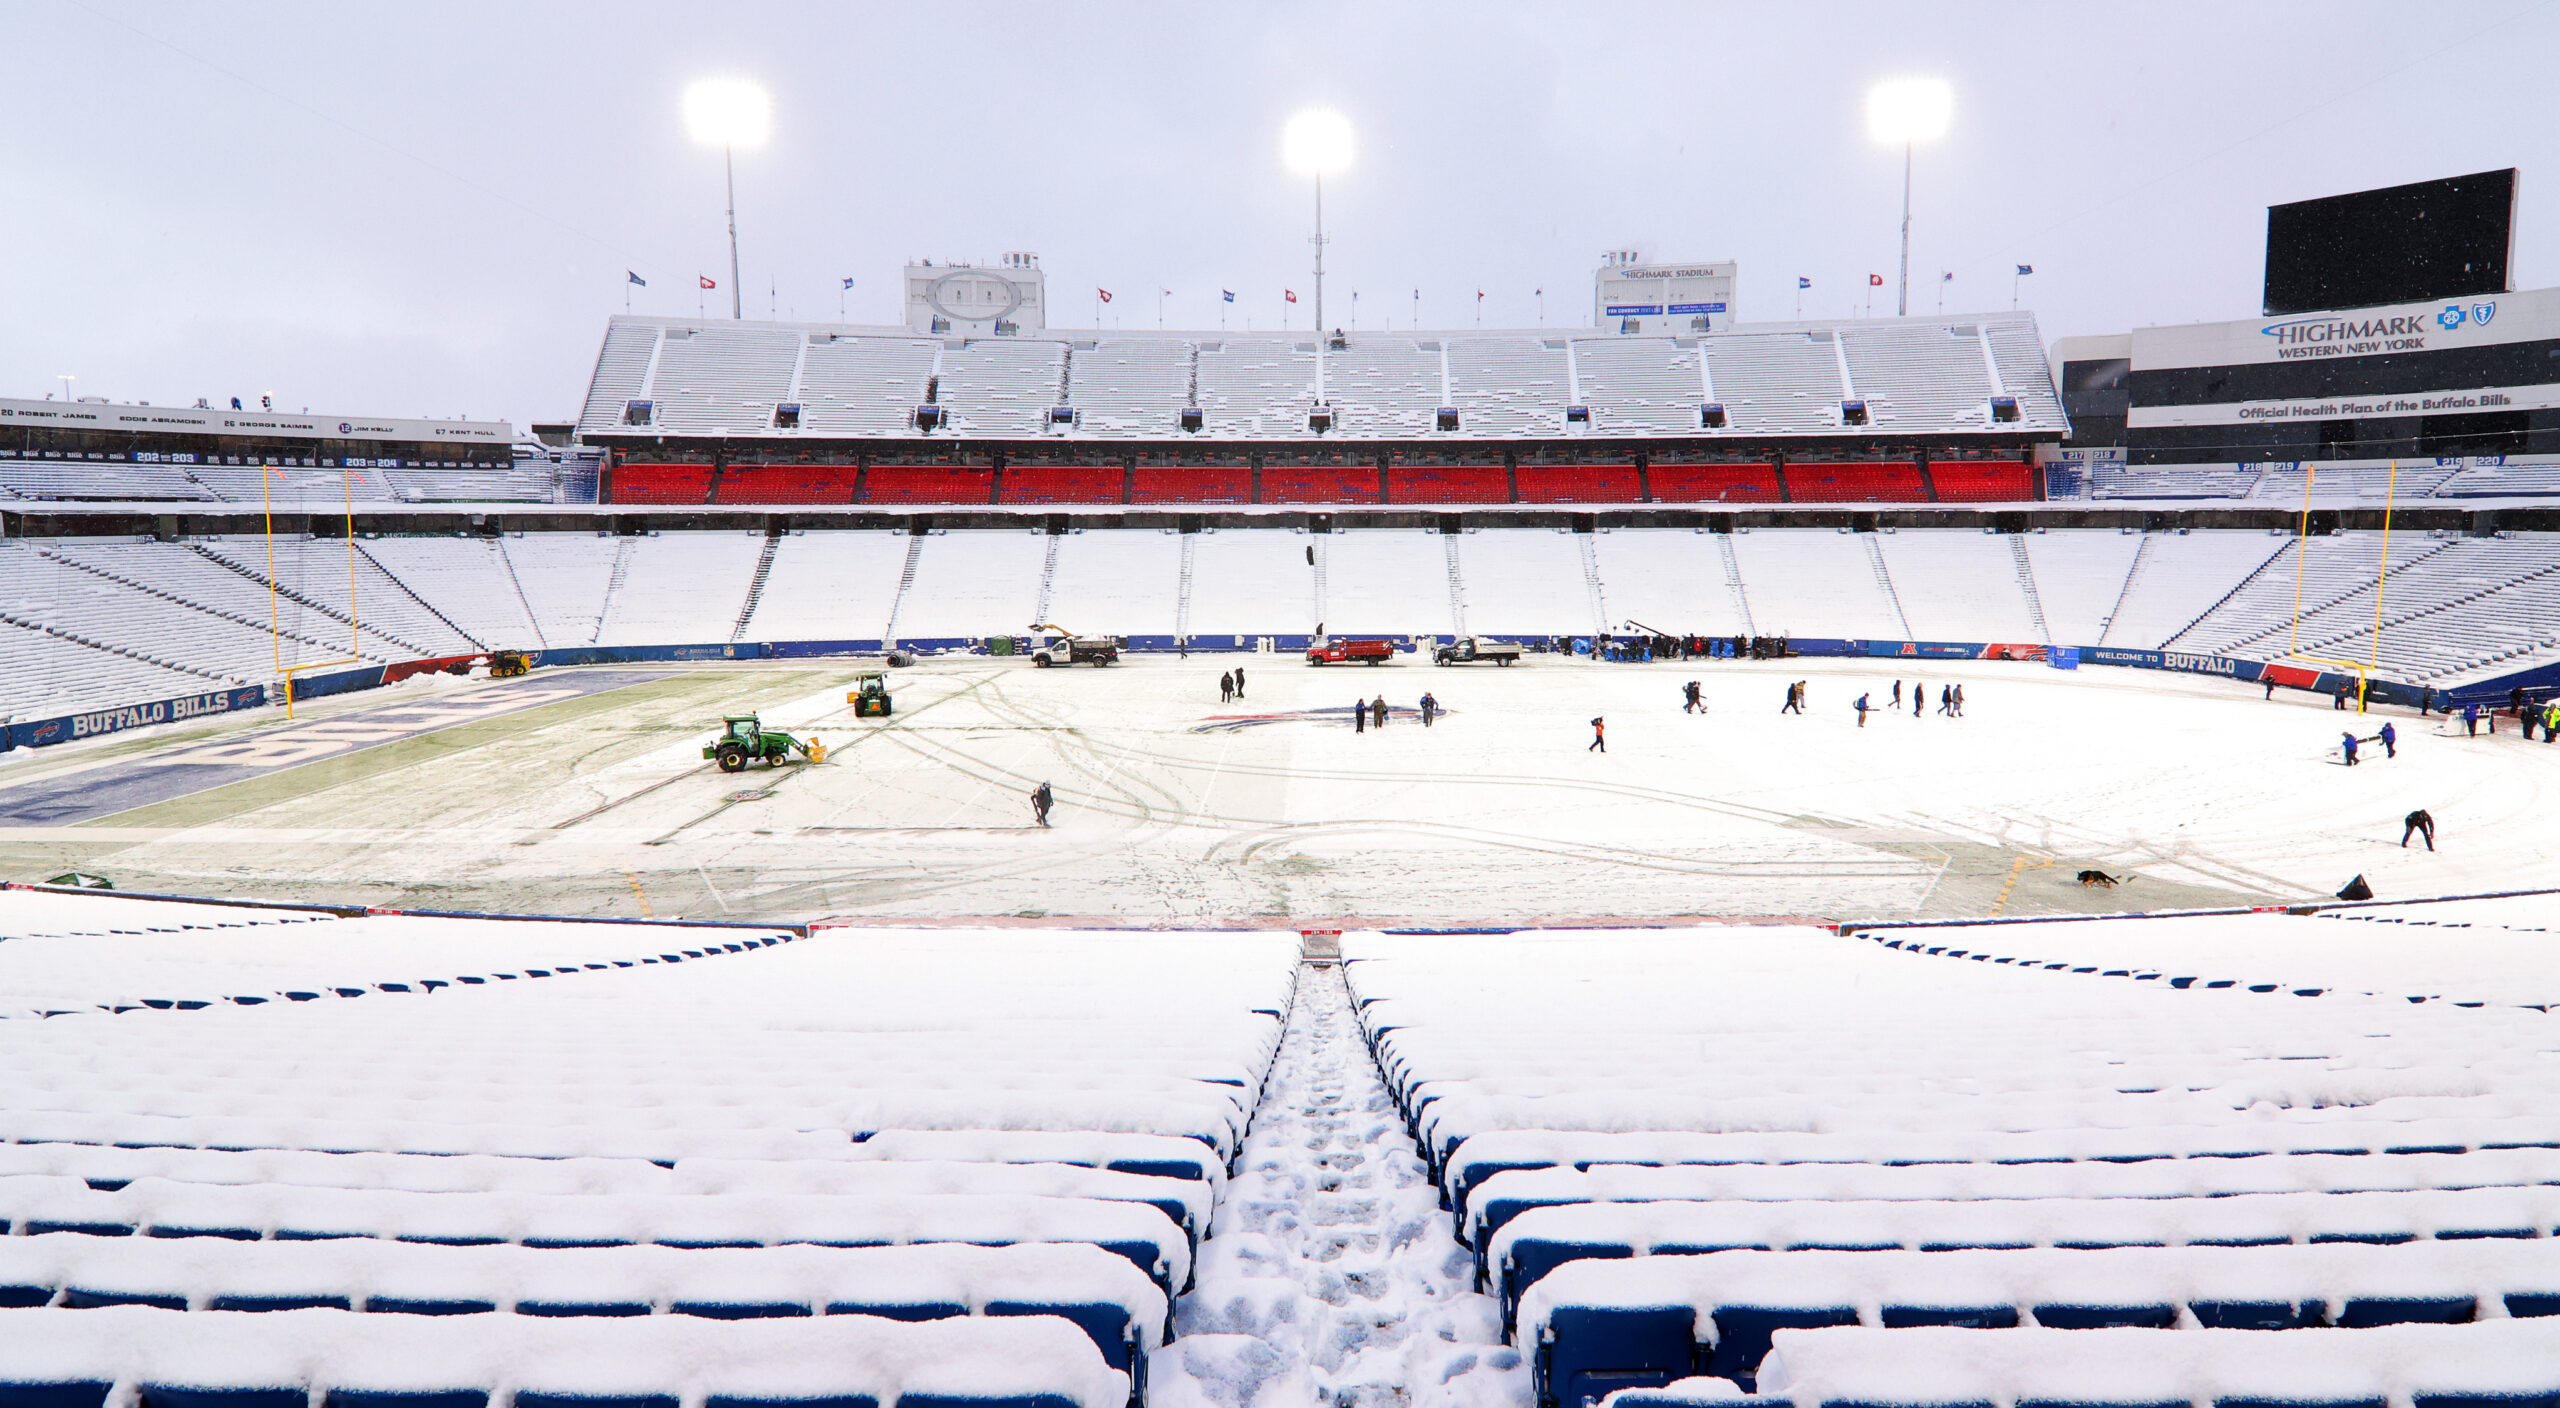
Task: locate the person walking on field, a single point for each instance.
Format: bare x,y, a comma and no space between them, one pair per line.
1430,709
1795,699
2471,720
2418,824
1897,694
1378,712
1040,804
1861,707
1226,688
1947,700
2390,740
1919,696
1599,737
1360,716
2347,743
1695,700
1959,701
1239,681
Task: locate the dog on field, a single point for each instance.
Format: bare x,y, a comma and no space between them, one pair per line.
2099,880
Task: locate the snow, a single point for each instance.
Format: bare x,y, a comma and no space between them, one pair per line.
681,1356
380,1275
2003,1368
1506,1195
2458,957
2324,1278
1330,1274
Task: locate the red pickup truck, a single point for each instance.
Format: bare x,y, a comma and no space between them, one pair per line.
1338,652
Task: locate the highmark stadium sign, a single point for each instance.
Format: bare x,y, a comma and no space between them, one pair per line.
2434,326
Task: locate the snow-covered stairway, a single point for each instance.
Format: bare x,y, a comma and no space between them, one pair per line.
1331,1278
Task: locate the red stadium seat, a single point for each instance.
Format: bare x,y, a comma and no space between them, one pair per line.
1060,484
1319,484
1579,484
1983,481
1449,484
1714,483
661,483
1192,484
928,484
1892,482
787,484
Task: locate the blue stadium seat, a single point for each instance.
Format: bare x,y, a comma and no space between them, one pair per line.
431,1398
1591,1353
401,1305
737,1310
279,1303
1743,1334
2258,1315
181,1396
529,1399
77,1394
2362,1313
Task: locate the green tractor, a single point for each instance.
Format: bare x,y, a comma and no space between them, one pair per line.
746,740
870,697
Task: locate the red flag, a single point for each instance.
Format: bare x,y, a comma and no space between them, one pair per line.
1289,293
1479,295
706,281
1104,293
1875,280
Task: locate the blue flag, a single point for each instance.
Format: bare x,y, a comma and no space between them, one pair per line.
2026,268
635,278
1229,293
848,283
1803,282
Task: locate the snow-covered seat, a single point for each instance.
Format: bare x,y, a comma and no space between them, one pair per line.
1119,1307
1538,1242
1482,1157
64,1358
2512,1364
1606,1324
37,1204
1508,1195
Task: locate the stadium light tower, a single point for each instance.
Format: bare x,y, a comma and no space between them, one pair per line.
733,113
1315,142
1909,111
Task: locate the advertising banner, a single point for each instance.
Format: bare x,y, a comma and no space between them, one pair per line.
40,733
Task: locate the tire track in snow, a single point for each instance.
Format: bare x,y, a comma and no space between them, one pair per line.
1331,1276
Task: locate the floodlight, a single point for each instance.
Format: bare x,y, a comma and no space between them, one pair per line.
1909,109
728,112
1317,142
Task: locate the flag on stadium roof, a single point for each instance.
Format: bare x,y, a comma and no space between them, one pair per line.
1104,294
635,278
1479,295
1290,294
1228,294
1947,277
1875,280
2026,268
706,281
848,283
1803,282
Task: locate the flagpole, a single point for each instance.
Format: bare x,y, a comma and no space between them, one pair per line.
737,310
1902,309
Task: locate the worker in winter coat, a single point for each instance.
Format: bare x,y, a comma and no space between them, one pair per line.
2347,744
1359,716
1378,712
1599,737
2390,741
1239,681
2419,824
1227,688
1040,803
1861,707
1430,709
1695,701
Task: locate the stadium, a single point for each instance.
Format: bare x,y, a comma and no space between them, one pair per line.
974,862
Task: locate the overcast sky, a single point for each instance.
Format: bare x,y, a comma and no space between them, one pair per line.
429,209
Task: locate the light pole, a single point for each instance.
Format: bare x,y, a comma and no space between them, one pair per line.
733,113
1316,142
1909,111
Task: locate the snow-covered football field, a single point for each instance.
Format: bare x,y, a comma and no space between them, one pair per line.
1176,809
